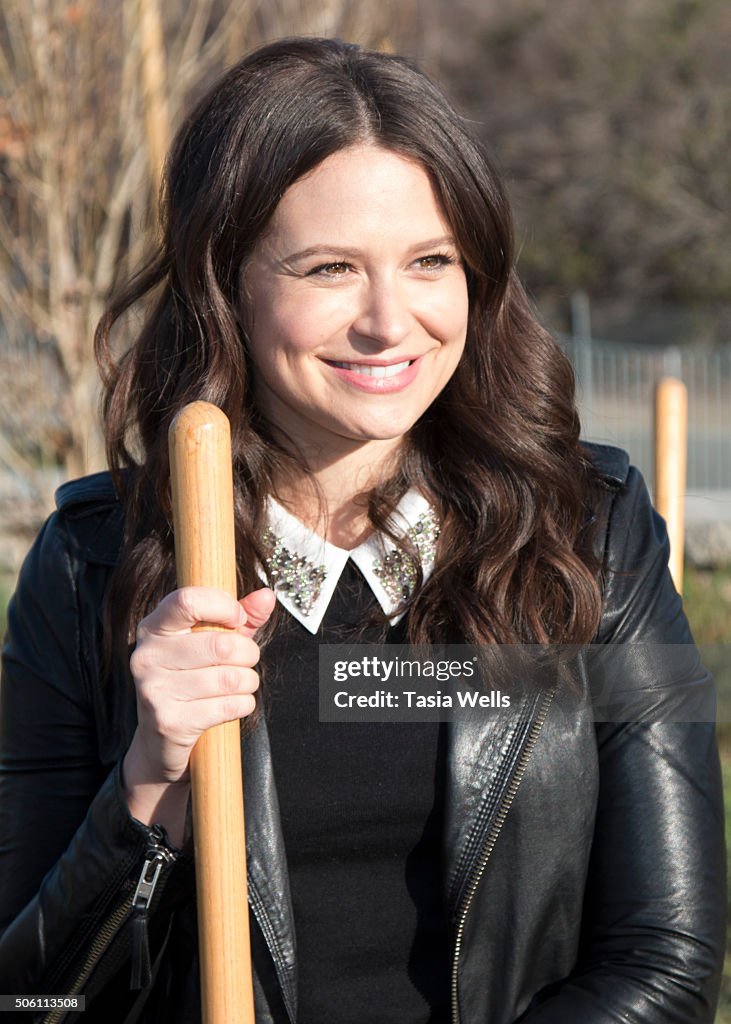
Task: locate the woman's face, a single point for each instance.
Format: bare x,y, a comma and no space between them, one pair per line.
358,303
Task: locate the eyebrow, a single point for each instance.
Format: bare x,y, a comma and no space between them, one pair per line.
339,250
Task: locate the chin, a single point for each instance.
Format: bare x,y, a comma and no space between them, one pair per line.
385,428
386,433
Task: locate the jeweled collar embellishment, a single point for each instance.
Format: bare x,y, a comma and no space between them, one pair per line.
397,571
294,575
305,568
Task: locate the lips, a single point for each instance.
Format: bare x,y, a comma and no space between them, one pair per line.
372,369
376,378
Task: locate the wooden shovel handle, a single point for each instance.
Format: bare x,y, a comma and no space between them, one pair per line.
202,494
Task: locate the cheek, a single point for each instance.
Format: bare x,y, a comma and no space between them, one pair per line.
280,338
449,314
303,323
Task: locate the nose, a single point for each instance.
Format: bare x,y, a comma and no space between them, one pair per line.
383,314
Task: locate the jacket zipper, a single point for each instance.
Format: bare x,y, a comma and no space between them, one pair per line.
491,839
141,968
139,902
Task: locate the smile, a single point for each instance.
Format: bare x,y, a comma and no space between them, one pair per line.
369,370
376,378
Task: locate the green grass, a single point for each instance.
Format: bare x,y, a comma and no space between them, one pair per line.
6,589
707,598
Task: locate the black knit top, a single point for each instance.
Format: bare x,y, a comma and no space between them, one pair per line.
362,808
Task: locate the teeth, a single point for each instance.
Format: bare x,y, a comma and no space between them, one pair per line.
374,371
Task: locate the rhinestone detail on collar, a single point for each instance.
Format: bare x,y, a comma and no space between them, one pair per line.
299,577
396,570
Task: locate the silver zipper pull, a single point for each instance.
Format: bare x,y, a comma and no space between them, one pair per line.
141,967
148,881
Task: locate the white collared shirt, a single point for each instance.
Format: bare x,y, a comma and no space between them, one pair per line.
306,567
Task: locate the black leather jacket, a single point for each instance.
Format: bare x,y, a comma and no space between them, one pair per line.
584,861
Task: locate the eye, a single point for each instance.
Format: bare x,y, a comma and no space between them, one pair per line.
330,269
435,261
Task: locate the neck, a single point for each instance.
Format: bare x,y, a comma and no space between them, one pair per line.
331,497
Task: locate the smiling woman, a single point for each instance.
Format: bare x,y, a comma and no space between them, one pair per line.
357,300
336,273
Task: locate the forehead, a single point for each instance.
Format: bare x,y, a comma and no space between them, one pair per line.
364,188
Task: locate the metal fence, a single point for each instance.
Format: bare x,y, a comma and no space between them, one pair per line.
616,386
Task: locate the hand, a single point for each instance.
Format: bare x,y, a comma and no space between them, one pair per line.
187,682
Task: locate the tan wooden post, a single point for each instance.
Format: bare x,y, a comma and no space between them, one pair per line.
154,90
671,454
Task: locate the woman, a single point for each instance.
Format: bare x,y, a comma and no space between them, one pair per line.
336,273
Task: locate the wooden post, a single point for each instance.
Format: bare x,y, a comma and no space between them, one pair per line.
202,488
154,92
671,455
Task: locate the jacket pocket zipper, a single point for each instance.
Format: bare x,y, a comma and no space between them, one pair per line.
491,839
139,904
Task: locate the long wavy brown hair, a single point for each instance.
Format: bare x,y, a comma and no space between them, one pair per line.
497,452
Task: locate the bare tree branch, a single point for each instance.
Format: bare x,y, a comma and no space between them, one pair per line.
85,120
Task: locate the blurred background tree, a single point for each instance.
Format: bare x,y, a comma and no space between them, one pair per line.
612,121
89,92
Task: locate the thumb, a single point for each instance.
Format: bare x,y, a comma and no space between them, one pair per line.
258,606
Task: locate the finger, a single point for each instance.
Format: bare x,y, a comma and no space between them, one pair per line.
217,710
257,607
179,652
175,699
216,681
181,725
189,606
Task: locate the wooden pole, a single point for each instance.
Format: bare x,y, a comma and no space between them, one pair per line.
202,488
671,455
